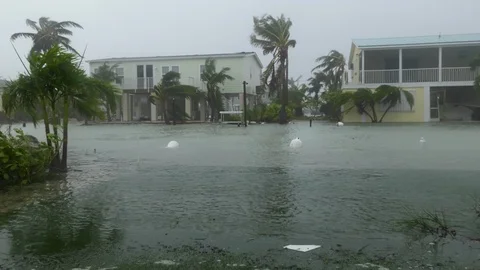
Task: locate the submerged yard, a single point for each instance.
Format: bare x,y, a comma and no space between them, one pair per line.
233,197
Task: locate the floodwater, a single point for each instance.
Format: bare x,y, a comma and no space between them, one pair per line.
238,195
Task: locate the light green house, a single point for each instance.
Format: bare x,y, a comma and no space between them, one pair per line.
138,75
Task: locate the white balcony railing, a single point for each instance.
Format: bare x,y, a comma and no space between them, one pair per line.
448,74
136,83
381,76
420,75
458,74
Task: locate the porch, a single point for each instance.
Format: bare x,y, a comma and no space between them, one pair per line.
417,65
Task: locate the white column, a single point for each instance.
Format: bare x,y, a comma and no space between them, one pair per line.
426,104
440,64
400,65
188,107
202,107
363,66
153,112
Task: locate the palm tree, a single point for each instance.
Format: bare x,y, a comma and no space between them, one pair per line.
272,35
333,66
53,84
109,93
213,80
389,96
48,33
170,87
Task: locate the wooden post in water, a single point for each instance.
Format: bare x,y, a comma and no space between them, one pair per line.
311,122
245,103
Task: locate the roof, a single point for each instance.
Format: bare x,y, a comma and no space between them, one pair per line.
458,39
177,57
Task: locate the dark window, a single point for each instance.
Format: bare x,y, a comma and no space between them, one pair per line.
149,71
140,73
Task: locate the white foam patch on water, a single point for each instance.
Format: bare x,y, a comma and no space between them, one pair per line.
108,268
371,265
166,262
88,268
236,265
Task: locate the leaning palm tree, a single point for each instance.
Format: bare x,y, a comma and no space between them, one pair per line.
213,80
389,96
48,33
332,65
170,87
272,35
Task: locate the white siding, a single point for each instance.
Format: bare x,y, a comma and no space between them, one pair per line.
190,71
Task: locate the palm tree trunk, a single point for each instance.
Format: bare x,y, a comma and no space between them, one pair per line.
109,115
46,122
165,114
63,164
282,117
56,157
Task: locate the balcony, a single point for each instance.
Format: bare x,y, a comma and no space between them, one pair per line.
419,75
419,65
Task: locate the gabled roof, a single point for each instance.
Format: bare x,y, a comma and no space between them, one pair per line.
177,57
417,41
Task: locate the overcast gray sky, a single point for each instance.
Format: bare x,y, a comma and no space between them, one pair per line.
116,28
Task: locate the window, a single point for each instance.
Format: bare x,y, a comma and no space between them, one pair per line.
165,70
95,71
140,73
176,69
119,76
149,71
402,106
202,68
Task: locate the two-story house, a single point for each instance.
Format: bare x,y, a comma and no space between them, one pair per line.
137,76
435,69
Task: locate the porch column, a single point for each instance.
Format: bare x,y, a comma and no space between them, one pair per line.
188,107
125,107
400,65
153,112
440,64
363,66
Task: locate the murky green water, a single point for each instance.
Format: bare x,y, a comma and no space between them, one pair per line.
239,195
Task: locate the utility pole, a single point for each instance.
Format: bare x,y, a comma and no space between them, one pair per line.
245,103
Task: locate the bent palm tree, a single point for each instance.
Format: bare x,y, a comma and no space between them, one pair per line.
213,80
170,87
272,35
48,33
333,65
389,96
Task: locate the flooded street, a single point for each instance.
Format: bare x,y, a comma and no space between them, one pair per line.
238,195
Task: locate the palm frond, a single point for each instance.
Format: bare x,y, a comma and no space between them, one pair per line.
22,35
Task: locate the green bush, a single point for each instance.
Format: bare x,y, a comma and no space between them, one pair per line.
233,117
272,111
22,160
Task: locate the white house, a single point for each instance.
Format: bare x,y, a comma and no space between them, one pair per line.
138,75
435,69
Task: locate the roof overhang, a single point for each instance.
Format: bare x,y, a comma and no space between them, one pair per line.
179,57
423,45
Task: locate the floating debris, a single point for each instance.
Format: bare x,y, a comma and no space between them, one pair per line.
302,248
166,262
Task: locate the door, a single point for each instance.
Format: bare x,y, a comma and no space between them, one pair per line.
436,101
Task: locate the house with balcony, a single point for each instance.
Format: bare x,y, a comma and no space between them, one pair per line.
435,69
137,76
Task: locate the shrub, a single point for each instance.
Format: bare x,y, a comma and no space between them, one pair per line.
22,160
273,110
